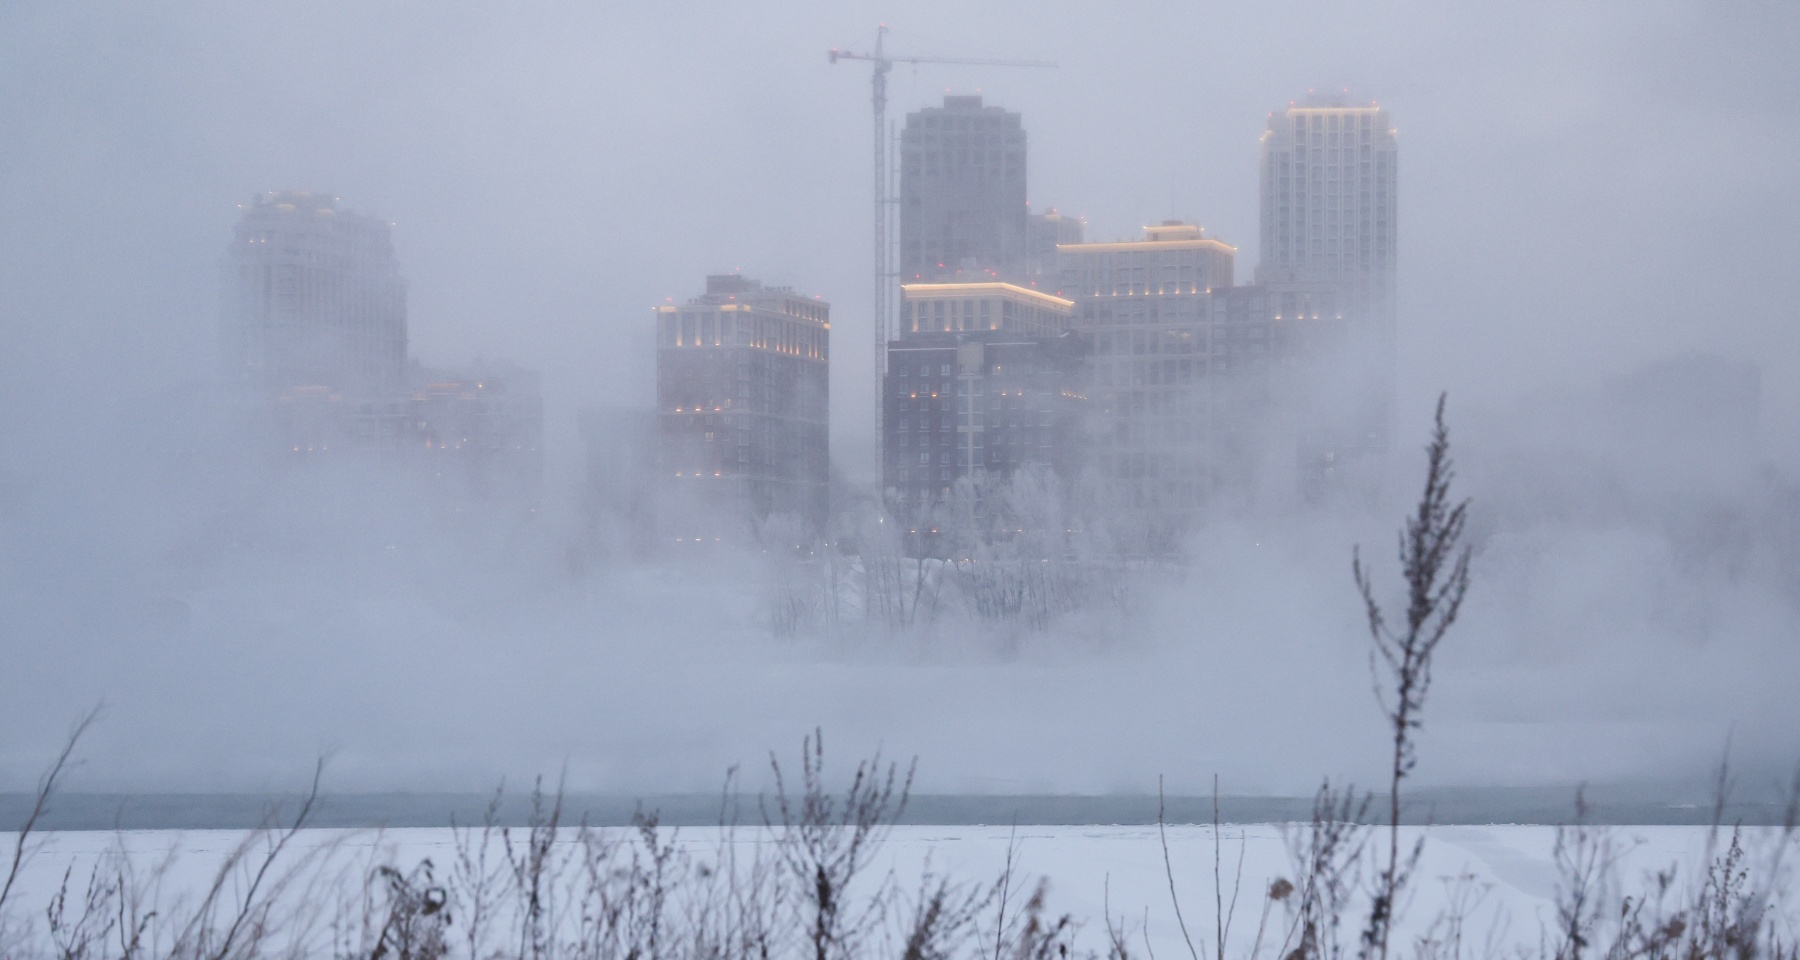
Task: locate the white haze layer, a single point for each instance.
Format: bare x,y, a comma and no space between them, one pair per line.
426,643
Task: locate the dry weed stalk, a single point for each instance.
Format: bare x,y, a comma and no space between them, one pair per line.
1435,565
46,789
1733,912
826,843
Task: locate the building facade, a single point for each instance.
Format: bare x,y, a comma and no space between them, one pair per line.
314,335
1329,203
313,297
1165,350
1330,234
743,409
984,379
1044,232
962,192
479,428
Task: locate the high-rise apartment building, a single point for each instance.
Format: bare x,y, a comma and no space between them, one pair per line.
1329,238
742,409
962,192
1161,362
1173,259
313,297
1329,202
314,331
984,379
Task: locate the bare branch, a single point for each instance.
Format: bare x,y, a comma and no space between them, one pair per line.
1169,872
47,785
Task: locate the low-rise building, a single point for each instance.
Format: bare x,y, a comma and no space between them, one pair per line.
985,378
481,424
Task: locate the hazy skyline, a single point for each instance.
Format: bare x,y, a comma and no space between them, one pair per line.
1582,190
1571,202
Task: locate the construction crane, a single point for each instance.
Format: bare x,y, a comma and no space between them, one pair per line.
884,270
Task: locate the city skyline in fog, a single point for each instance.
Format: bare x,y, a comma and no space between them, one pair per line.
549,189
1595,216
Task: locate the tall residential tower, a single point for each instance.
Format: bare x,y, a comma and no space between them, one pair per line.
742,409
313,298
1329,203
1329,257
962,191
1159,364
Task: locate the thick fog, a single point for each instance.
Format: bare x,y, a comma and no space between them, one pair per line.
1597,244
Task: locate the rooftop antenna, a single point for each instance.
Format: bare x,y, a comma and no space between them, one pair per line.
885,271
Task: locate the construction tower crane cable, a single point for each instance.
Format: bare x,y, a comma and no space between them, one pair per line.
881,63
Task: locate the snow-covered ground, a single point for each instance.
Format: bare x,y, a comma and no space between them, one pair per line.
1505,873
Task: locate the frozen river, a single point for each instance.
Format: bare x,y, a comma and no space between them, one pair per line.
1506,872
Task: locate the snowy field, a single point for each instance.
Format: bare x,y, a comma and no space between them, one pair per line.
1504,875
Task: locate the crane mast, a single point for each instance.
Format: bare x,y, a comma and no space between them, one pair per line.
885,272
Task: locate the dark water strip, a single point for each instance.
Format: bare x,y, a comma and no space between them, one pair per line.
201,811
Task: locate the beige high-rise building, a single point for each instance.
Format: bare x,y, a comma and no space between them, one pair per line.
1160,355
1328,201
1330,236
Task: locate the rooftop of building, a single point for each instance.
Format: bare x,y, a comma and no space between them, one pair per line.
964,105
1167,235
289,203
729,291
1330,100
295,199
728,287
960,289
951,339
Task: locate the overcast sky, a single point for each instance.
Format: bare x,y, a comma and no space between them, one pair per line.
1583,188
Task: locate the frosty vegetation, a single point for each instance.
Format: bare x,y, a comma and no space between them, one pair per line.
793,874
1027,555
